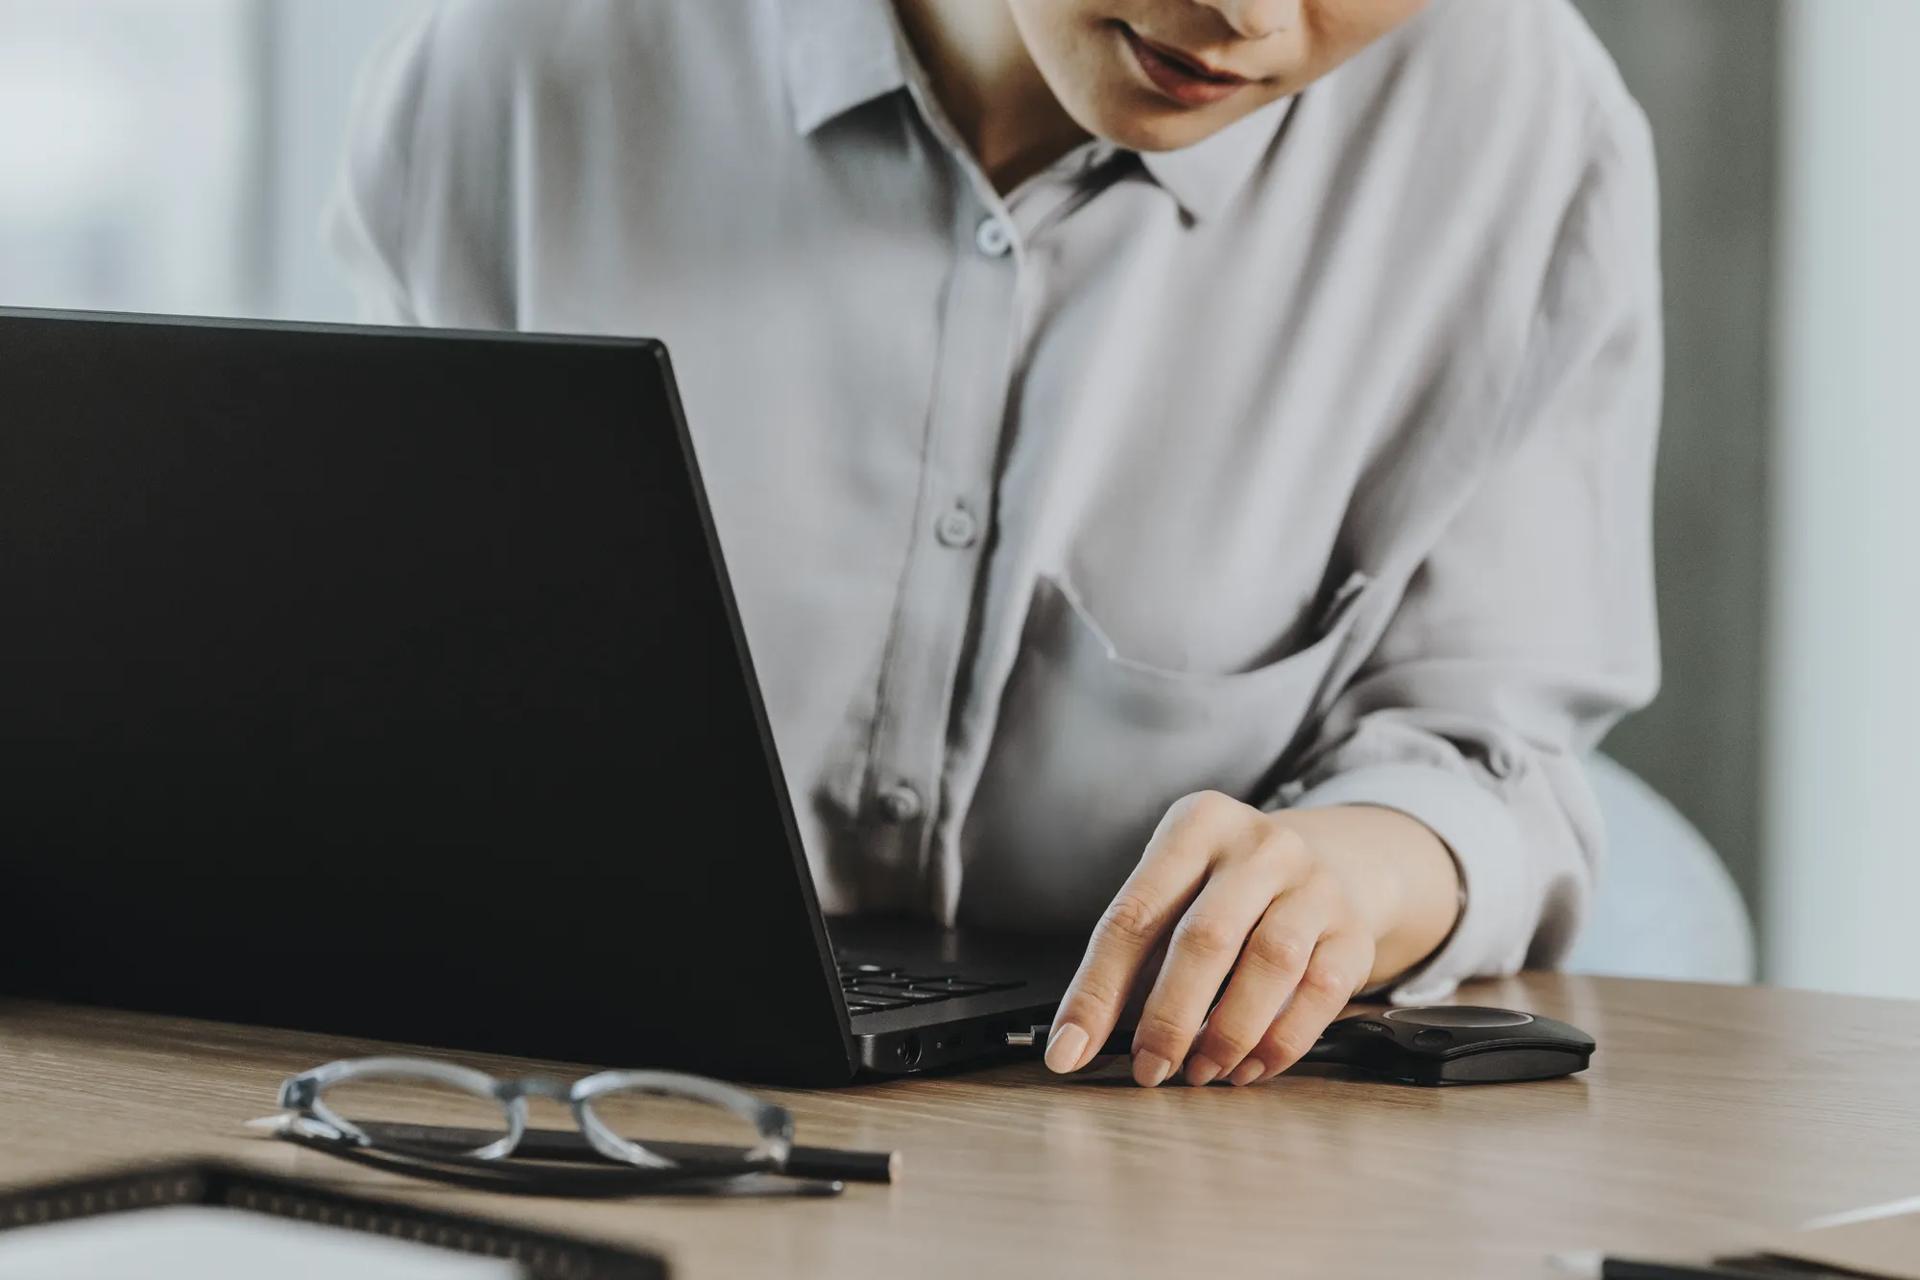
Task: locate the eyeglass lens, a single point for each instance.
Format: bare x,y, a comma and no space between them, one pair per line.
653,1121
397,1099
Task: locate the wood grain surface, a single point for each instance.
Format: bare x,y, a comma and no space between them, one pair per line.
1710,1115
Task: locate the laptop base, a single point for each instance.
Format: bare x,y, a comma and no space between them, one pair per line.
962,1030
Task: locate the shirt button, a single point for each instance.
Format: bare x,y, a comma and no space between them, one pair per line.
900,803
993,238
958,529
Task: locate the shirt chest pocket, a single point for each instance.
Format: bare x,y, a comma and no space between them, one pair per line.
1092,747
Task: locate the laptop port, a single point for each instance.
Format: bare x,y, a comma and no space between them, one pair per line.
909,1051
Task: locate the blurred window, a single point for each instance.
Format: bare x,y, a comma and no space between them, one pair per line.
126,144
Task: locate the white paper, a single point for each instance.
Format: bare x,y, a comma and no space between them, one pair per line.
194,1242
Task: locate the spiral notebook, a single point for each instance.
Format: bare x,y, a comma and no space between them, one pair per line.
215,1222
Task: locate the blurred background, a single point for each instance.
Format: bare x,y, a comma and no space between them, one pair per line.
174,155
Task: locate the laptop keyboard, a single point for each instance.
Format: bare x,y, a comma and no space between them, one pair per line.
876,988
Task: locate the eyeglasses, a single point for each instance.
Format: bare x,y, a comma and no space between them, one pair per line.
632,1131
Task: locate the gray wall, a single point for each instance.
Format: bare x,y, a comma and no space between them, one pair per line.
310,58
1707,73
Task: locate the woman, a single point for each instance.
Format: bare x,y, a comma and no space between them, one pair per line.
1185,463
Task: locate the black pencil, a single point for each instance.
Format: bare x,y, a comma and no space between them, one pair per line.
1640,1269
565,1146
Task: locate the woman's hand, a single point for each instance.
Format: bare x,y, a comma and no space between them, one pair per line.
1295,912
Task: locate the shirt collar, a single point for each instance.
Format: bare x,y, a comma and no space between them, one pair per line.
1203,177
841,54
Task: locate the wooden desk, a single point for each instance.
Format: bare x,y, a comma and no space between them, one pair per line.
1710,1113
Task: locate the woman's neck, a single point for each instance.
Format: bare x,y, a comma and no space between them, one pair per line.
990,87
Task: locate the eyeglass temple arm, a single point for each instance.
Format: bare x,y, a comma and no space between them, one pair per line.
566,1146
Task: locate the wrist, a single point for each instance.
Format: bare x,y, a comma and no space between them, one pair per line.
1400,879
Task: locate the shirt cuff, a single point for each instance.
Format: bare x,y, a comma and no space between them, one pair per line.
1490,936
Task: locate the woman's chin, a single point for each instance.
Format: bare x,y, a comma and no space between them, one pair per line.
1138,121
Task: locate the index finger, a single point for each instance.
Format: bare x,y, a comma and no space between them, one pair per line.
1158,892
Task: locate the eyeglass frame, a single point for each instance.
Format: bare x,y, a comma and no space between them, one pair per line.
304,1094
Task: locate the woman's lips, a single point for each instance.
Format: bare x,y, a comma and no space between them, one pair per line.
1179,77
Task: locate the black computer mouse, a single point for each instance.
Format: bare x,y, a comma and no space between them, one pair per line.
1455,1044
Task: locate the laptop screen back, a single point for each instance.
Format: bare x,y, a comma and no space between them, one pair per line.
383,682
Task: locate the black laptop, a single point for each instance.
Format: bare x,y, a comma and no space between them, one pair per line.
389,683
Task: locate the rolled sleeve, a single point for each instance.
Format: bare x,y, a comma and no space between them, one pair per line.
1528,627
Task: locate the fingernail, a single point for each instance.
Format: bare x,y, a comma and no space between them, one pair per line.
1064,1048
1247,1072
1202,1071
1149,1069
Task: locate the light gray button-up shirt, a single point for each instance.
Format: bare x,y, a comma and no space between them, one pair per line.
1310,464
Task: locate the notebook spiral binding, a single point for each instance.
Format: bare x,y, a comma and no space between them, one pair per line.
540,1255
